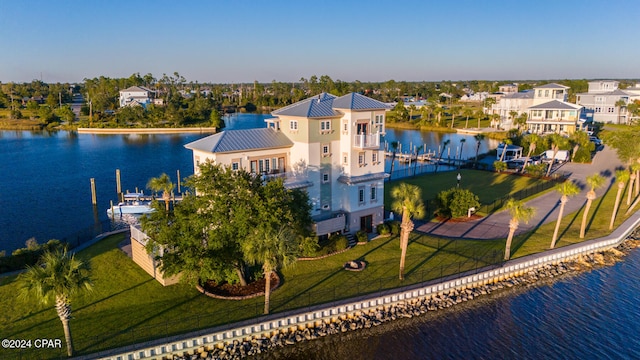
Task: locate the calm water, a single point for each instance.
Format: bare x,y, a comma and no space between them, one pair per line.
589,316
45,186
45,193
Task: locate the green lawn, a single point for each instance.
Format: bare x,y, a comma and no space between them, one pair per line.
489,186
128,306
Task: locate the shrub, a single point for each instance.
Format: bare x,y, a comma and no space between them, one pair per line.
537,170
500,166
383,229
361,236
340,242
456,202
309,246
583,155
394,227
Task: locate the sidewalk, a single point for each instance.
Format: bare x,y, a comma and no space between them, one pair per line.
496,225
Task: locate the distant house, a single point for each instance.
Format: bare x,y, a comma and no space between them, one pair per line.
508,88
327,145
601,99
550,111
136,96
518,102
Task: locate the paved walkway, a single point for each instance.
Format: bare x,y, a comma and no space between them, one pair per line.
496,225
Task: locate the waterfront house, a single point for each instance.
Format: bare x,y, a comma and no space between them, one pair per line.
136,96
601,101
513,101
550,111
327,145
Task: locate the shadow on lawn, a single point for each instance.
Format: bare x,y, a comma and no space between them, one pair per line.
304,292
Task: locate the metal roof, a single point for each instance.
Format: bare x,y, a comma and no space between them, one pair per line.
355,101
320,105
556,105
240,140
527,94
350,180
551,86
136,89
324,105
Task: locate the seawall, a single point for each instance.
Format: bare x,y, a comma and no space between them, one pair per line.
333,317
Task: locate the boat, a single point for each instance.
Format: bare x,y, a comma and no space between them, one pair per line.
133,203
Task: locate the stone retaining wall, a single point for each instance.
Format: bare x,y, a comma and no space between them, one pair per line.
267,327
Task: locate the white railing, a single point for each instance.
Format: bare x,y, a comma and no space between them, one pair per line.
330,225
366,141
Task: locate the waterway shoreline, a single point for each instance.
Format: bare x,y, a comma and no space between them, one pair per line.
198,130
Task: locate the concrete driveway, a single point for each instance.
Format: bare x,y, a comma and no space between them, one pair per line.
496,225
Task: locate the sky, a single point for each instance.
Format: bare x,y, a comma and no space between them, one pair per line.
220,41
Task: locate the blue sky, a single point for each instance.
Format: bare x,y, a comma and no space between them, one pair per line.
242,41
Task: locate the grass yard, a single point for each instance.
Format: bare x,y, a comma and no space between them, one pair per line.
127,306
489,186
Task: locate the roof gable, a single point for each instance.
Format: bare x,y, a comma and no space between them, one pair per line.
240,140
313,107
556,105
551,86
136,89
355,101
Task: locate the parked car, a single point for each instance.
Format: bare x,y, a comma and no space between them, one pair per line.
595,140
516,164
560,157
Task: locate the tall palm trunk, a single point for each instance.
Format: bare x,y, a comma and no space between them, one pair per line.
563,201
407,227
532,148
477,151
166,197
591,195
64,313
555,149
632,178
513,226
617,204
267,289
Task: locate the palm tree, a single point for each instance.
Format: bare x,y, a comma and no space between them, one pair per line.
480,114
462,141
495,119
513,115
566,189
407,199
438,111
394,147
272,249
620,104
557,141
622,176
594,181
533,140
519,212
444,146
467,111
632,179
454,111
506,143
636,168
479,138
56,278
162,183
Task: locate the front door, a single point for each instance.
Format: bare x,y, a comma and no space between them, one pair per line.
366,223
361,128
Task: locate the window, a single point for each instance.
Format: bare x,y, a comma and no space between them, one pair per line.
325,178
345,126
546,93
374,157
361,159
374,193
235,166
325,126
611,110
325,150
345,158
293,124
598,109
539,93
361,194
197,161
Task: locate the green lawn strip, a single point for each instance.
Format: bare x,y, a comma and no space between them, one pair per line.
128,306
488,186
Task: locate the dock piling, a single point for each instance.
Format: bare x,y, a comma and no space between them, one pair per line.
118,187
178,171
94,199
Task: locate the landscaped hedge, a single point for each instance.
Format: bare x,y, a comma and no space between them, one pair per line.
27,256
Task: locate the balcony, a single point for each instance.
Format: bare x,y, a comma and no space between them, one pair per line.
292,179
367,141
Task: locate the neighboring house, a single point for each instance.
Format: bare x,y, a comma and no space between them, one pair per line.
601,99
518,102
550,112
479,96
508,88
327,145
136,95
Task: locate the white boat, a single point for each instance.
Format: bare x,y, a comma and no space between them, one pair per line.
132,204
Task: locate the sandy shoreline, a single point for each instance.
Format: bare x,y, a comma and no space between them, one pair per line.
199,130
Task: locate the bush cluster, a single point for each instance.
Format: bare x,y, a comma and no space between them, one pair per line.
383,229
361,236
455,202
27,256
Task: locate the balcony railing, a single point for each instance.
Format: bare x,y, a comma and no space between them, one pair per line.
366,141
